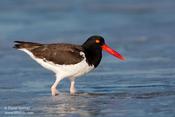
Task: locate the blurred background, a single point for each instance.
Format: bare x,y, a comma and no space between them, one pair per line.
141,30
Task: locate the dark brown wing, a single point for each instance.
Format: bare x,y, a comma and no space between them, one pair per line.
27,45
59,53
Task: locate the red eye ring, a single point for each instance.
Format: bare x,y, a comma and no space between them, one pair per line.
97,41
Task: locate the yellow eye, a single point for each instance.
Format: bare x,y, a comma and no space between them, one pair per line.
97,41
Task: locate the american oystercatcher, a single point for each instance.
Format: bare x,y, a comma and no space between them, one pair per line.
67,60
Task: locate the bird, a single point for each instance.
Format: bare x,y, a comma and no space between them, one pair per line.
68,60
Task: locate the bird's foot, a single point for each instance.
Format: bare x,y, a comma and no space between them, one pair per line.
72,91
54,92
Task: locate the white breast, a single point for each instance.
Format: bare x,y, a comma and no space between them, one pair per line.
72,71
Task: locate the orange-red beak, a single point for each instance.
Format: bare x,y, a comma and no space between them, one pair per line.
112,52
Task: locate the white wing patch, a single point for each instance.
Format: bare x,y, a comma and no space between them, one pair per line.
74,70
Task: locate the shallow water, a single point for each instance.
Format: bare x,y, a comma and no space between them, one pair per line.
142,86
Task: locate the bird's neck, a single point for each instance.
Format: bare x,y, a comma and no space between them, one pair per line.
93,55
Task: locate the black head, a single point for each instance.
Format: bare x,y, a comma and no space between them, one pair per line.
95,41
93,50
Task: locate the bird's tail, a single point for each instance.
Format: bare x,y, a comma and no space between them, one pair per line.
26,45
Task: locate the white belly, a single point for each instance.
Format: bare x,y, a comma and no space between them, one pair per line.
72,71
